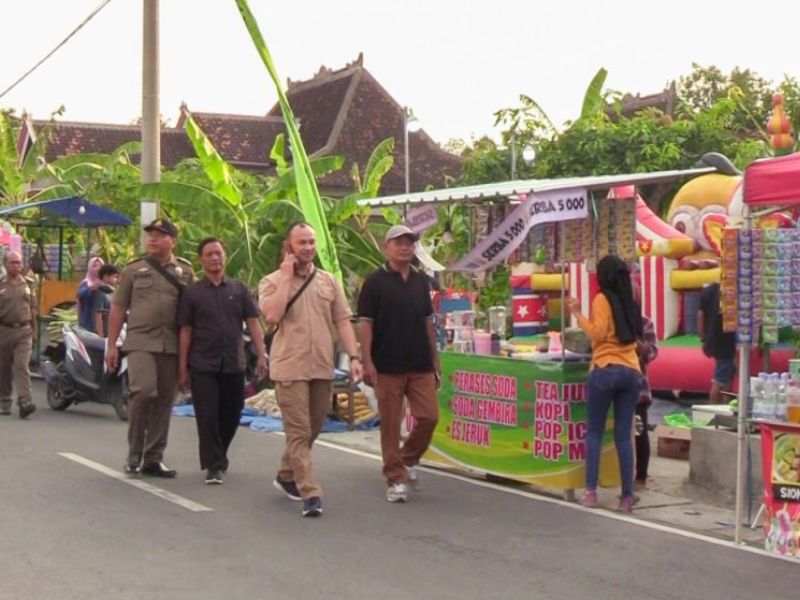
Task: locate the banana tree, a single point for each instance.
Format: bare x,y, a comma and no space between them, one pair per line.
355,228
249,225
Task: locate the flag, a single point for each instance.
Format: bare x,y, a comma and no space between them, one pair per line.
307,192
25,140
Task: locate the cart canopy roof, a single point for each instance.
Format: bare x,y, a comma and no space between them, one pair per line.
505,189
773,181
59,212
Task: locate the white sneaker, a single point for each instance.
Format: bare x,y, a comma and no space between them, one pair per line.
397,492
413,478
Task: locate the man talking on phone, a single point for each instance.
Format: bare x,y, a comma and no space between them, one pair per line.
308,307
400,357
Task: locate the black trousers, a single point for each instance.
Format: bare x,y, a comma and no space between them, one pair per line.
218,400
642,444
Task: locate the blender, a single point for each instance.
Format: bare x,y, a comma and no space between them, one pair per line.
497,326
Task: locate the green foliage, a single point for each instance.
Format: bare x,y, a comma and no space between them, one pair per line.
716,113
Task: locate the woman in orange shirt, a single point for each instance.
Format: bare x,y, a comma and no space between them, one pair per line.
614,377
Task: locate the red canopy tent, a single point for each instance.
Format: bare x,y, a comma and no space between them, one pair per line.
767,182
773,181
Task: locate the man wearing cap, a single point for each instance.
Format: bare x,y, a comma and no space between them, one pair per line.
17,327
400,357
309,308
149,290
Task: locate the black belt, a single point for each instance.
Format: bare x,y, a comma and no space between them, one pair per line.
16,325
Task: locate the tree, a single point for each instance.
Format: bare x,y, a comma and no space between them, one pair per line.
18,176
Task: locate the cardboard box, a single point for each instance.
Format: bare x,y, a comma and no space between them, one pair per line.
673,442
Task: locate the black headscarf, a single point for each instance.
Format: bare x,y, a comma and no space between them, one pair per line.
615,284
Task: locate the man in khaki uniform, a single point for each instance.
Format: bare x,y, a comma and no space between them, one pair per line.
17,326
150,299
301,361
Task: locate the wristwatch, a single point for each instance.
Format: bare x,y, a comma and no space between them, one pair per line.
358,358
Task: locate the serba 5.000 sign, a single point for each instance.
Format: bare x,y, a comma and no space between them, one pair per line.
560,204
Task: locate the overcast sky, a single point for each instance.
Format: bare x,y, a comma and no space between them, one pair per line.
455,62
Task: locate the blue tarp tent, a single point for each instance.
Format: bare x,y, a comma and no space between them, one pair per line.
73,211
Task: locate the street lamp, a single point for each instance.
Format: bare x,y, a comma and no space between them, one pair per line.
528,155
410,124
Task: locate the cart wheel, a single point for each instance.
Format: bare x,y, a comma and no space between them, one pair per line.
121,402
56,399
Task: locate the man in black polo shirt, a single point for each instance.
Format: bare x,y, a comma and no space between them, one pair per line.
400,357
211,354
717,344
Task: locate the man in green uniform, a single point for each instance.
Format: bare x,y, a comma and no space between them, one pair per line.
17,326
149,292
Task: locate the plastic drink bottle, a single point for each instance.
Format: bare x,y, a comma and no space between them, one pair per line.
780,404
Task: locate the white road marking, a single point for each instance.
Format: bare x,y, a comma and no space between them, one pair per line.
137,483
575,506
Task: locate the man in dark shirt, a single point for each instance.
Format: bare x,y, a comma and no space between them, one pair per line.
400,357
101,299
717,344
211,357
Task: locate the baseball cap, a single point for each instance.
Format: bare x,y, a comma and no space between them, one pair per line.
397,231
164,226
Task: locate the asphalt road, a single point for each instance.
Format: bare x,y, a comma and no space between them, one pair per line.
68,531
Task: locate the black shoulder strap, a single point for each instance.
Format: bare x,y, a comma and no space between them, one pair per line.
165,274
294,298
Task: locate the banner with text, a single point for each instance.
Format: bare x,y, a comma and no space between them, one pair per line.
517,419
780,451
422,217
541,207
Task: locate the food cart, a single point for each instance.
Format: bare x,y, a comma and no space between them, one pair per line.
769,184
523,417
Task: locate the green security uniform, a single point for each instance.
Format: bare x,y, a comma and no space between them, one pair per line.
17,312
151,344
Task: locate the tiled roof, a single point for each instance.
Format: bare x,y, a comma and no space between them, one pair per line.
243,140
68,138
344,112
372,116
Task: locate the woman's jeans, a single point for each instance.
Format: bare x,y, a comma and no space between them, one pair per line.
618,386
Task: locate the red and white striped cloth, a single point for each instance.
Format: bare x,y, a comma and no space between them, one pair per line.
660,303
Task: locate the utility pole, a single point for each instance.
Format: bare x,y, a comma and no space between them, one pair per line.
151,127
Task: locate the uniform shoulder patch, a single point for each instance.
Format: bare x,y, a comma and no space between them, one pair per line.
135,260
30,280
183,260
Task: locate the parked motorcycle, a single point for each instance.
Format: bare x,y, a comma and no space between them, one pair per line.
75,372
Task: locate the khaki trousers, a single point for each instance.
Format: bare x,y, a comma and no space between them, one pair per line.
304,406
153,382
420,389
16,344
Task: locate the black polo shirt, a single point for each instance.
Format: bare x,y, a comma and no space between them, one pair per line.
399,311
216,313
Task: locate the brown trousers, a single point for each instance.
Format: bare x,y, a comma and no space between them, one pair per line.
420,389
153,382
304,406
16,344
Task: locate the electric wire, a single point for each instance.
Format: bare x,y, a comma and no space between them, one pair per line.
58,47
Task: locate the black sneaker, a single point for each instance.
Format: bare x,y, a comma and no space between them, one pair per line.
312,507
133,466
26,409
158,469
287,487
213,477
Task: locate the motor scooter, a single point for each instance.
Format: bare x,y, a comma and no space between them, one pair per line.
80,375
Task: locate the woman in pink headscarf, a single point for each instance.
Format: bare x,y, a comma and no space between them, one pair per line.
86,288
